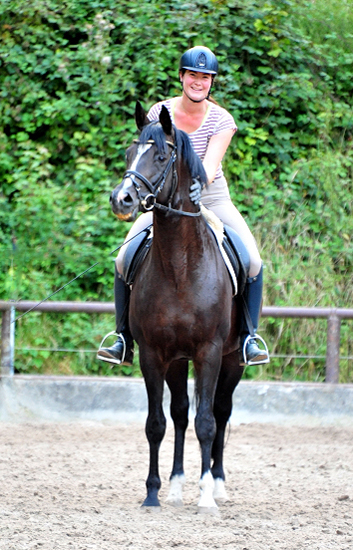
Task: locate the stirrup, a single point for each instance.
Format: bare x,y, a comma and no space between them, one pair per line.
113,333
254,362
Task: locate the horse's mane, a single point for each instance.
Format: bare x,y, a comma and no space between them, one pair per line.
154,131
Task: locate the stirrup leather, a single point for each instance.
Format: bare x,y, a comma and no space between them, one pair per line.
114,333
255,362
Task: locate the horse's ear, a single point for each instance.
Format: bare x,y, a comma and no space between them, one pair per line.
165,120
140,116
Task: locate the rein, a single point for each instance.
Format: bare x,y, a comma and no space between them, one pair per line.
167,209
149,201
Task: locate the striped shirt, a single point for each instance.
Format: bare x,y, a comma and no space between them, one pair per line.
216,120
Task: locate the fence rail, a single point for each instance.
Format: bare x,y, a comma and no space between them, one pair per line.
334,317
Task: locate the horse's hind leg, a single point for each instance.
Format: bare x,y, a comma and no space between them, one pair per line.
207,367
228,379
155,425
177,379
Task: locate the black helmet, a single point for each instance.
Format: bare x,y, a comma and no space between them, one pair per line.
199,59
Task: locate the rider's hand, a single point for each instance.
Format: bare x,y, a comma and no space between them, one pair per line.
195,190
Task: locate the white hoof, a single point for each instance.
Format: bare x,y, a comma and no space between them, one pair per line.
175,495
208,511
207,502
219,491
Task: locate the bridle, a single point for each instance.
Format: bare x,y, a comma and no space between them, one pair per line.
150,201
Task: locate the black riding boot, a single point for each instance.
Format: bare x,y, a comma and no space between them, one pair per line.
252,353
122,351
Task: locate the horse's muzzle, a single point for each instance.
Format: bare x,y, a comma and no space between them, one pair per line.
123,205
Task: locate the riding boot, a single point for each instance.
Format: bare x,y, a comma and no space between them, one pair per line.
122,351
253,354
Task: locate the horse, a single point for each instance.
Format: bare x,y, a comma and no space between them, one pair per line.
182,307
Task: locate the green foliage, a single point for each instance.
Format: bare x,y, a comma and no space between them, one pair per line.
75,336
70,74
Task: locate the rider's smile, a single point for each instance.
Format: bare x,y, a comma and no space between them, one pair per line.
196,85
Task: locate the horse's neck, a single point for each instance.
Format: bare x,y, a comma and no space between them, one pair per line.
179,243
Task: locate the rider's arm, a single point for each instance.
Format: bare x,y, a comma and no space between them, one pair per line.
216,149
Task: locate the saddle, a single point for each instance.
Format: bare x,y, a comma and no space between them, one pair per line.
136,252
232,249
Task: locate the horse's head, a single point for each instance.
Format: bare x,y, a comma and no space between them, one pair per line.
150,167
154,173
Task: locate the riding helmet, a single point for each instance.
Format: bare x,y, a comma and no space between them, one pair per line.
199,59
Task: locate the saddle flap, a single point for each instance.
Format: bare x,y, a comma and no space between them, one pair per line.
235,248
136,252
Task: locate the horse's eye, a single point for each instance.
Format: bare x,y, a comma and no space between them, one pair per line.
161,158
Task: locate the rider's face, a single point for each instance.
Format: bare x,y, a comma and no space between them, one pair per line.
196,85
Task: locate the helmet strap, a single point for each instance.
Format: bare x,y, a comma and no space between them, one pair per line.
209,91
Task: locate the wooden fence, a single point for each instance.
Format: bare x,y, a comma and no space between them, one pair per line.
333,316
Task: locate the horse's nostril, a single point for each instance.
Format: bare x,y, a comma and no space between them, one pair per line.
122,198
127,199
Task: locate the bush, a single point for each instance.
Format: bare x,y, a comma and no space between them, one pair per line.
70,74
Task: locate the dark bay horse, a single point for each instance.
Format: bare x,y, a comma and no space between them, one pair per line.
181,307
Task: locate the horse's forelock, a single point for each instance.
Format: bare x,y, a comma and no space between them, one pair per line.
154,131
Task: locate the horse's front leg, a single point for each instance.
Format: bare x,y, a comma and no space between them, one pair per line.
155,424
177,379
207,366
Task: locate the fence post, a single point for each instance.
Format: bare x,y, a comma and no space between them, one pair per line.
333,349
7,343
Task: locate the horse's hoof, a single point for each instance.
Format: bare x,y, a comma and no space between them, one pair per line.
151,502
219,491
207,503
177,503
221,500
175,495
151,509
208,510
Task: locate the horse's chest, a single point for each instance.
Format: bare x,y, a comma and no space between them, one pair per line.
181,301
184,293
180,308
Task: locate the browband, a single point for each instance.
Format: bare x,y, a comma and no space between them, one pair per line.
152,141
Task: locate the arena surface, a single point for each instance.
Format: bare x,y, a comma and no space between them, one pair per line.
80,485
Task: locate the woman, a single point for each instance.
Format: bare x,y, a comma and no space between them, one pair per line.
210,129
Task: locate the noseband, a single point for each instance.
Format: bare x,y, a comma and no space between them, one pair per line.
150,201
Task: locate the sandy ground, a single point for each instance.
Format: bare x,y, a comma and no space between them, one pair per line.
80,485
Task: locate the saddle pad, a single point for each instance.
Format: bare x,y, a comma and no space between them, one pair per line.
216,225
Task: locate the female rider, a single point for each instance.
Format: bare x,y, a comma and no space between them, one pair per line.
210,129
